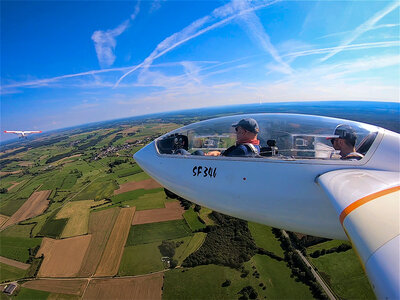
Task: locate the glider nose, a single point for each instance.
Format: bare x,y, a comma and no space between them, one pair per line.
146,158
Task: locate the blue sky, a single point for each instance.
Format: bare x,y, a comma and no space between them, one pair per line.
65,63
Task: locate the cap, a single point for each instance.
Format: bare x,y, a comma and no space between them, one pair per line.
344,131
249,124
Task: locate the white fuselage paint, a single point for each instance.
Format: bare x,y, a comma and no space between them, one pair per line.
279,193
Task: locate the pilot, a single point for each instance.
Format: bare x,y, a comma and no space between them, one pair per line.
344,139
247,143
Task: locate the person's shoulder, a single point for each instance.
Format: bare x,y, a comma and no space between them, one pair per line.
353,156
236,150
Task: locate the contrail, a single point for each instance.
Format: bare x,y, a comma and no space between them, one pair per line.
366,26
181,37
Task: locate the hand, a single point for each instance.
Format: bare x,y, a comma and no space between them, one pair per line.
213,153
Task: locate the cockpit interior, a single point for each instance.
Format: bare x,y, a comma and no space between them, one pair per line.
281,136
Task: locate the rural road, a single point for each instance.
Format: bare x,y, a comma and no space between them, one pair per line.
316,275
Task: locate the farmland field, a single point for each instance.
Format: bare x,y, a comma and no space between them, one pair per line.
156,232
112,254
190,245
146,184
100,225
192,219
265,239
18,231
29,294
70,287
8,272
3,219
62,258
17,247
345,275
143,287
326,245
141,259
97,191
77,213
35,205
172,211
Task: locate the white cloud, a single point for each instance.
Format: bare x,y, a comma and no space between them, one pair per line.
105,41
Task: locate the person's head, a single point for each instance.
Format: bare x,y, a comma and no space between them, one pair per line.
344,139
246,130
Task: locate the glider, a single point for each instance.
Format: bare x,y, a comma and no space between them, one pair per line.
22,134
298,182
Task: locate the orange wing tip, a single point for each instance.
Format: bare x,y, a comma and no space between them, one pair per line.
364,200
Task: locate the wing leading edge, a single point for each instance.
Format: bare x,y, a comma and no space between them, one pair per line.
368,207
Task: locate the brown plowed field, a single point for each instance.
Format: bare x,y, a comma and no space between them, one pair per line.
3,219
62,258
11,172
146,184
143,288
14,263
172,211
70,287
112,254
100,225
34,206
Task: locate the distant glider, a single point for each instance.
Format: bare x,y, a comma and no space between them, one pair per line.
22,134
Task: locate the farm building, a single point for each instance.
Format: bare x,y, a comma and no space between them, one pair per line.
10,288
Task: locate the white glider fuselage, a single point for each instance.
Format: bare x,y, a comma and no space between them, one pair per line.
272,191
305,188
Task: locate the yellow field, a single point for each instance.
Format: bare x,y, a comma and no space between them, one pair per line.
78,214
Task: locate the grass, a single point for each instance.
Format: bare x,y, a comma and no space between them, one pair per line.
97,191
192,219
326,245
141,259
9,273
276,276
18,231
136,177
142,199
344,274
30,294
53,228
204,215
17,247
77,213
190,245
205,282
264,238
157,232
11,206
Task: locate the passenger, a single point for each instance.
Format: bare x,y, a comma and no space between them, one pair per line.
344,139
247,143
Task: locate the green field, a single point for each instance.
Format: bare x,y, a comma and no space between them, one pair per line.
157,232
18,231
192,219
29,294
16,247
53,228
141,259
325,245
97,190
142,199
8,273
264,238
344,274
276,276
137,177
204,215
8,208
190,245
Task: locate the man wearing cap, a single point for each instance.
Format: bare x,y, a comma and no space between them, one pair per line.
247,143
344,139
